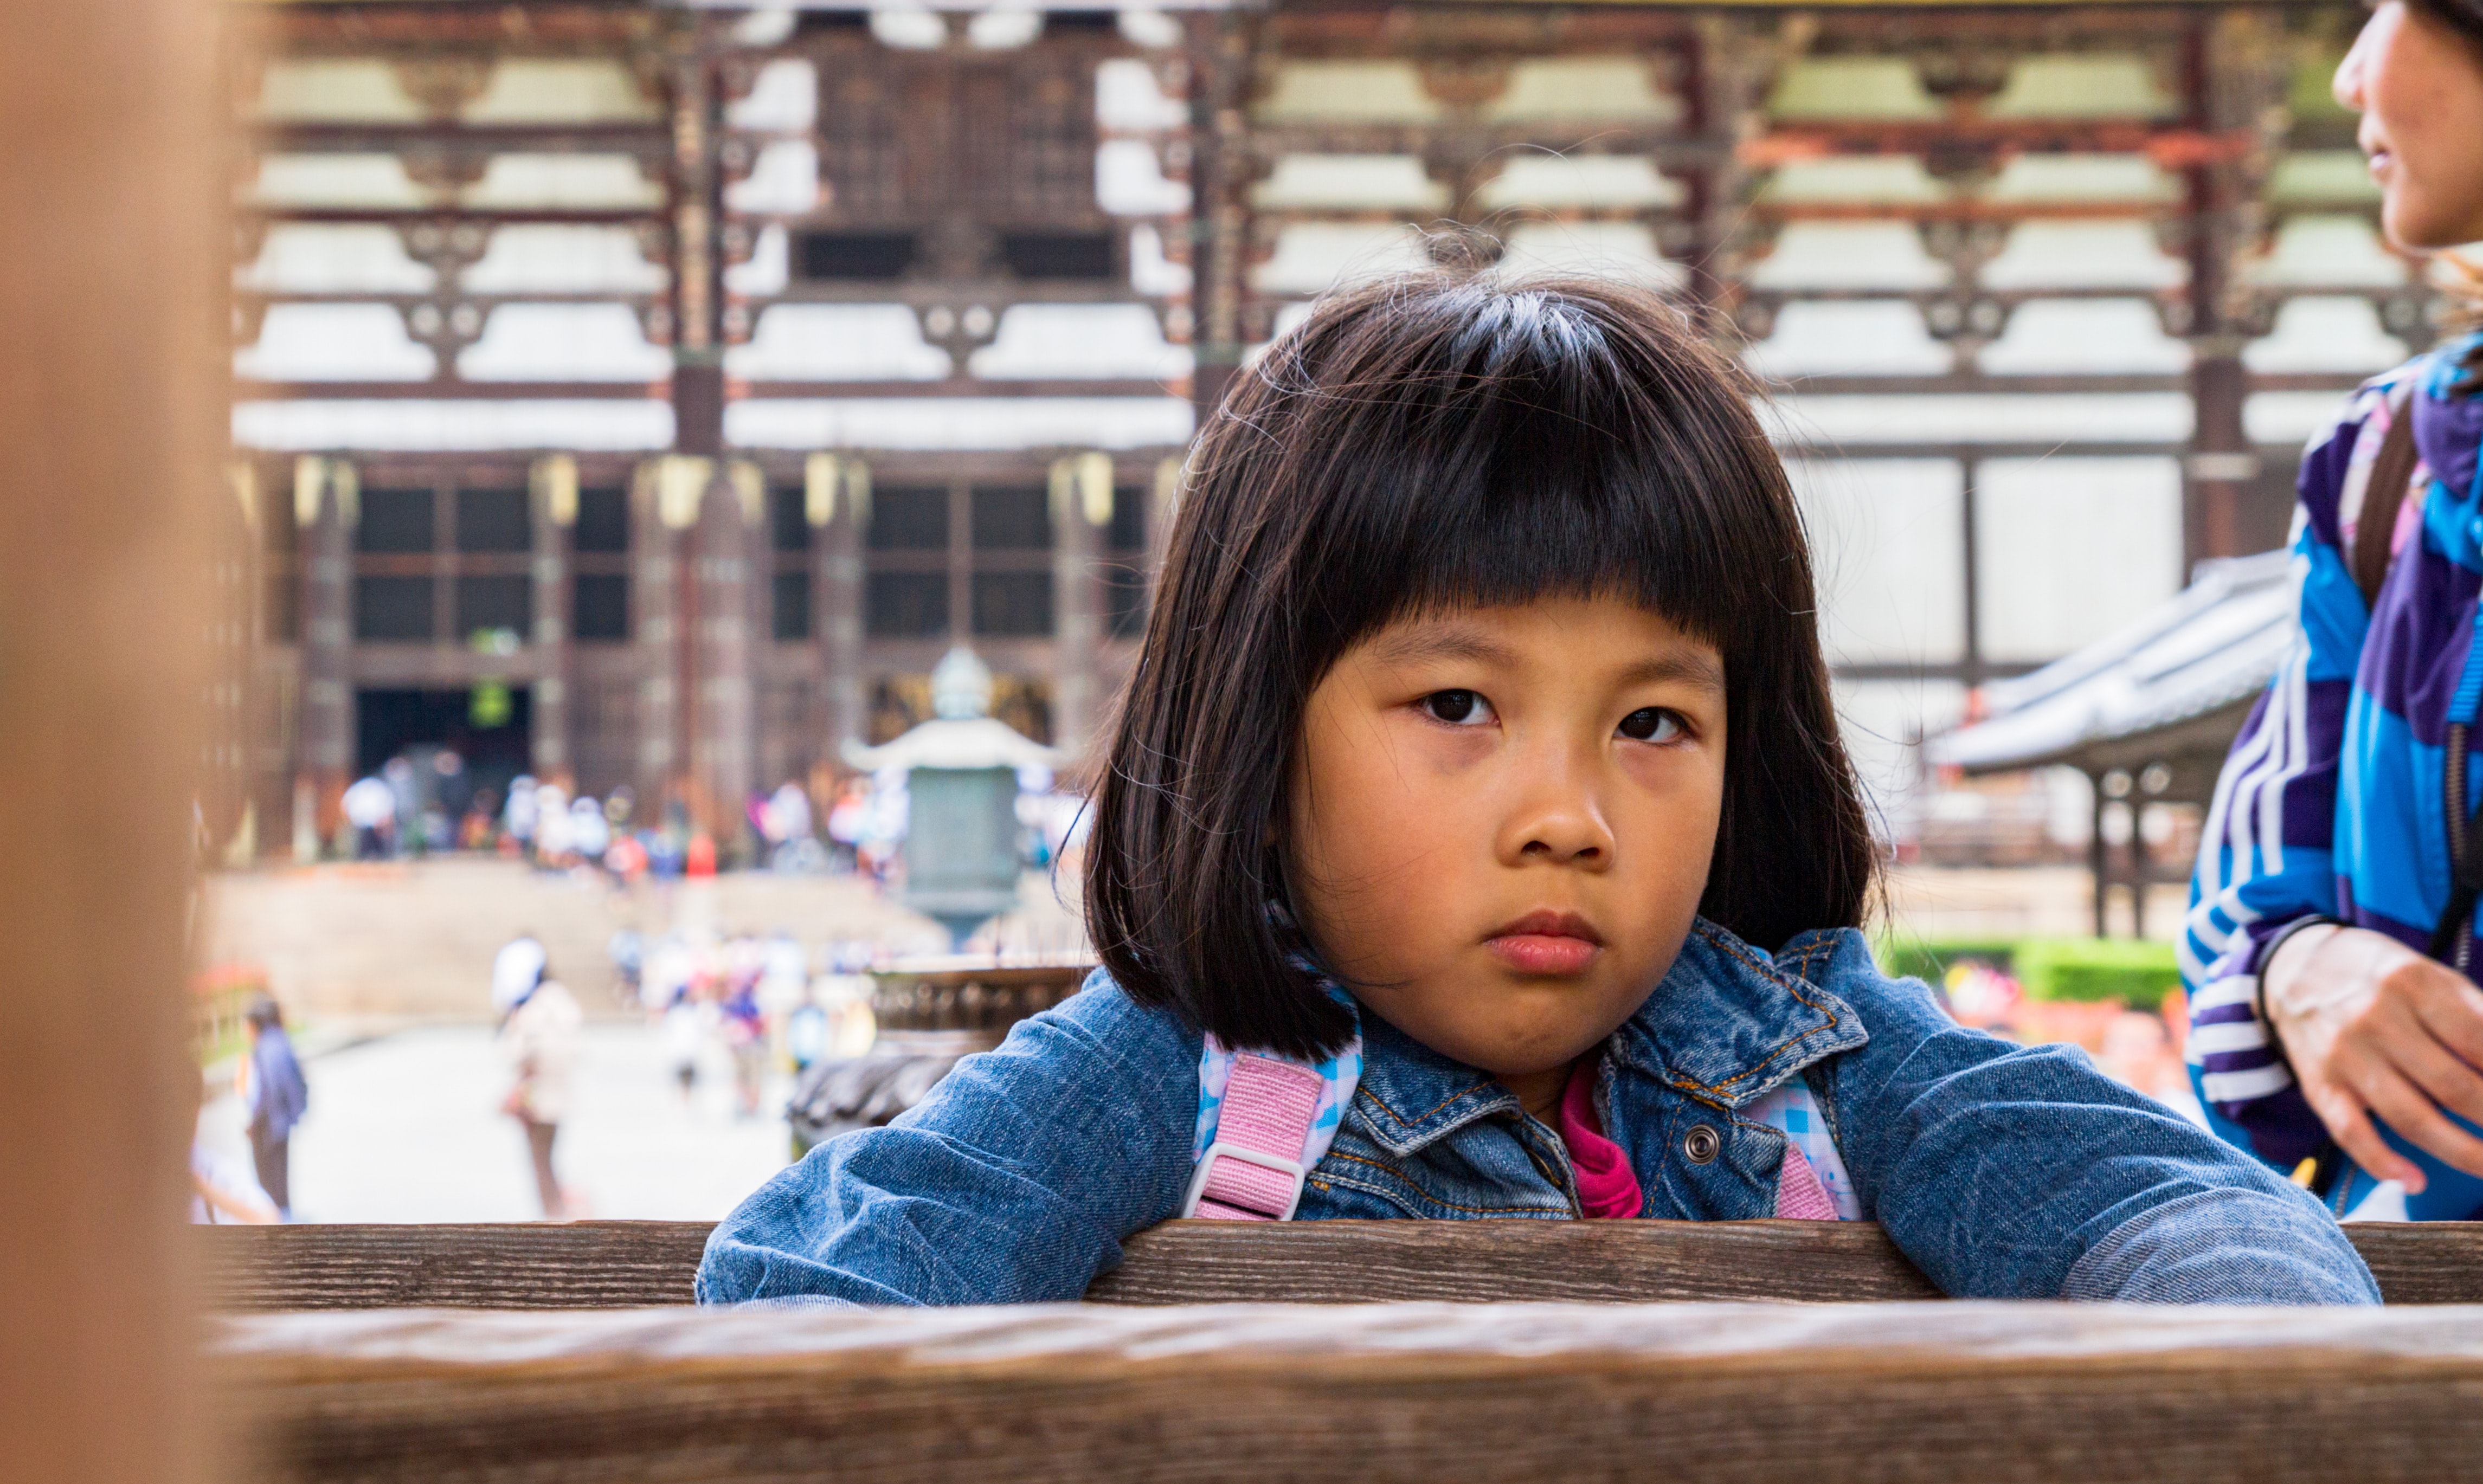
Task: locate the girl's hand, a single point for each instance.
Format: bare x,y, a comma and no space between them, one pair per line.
2372,1028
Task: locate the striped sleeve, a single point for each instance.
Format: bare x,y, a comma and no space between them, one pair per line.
2266,853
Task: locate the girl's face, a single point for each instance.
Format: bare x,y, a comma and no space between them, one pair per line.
2419,86
1501,818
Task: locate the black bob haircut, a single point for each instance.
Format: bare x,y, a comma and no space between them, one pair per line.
1435,442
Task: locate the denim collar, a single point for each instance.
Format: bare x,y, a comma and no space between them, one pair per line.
1726,1023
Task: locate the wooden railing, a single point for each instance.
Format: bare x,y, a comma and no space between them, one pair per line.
618,1264
1586,1379
1429,1393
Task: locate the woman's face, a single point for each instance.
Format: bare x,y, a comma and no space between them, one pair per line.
2419,86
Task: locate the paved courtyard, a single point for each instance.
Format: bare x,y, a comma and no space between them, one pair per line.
406,1129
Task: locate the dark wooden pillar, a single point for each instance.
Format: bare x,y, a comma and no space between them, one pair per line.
324,498
1219,219
656,558
553,494
1727,62
2099,854
2237,74
226,804
724,709
2221,464
836,497
1082,505
697,281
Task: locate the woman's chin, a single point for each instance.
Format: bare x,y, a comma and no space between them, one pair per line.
2418,226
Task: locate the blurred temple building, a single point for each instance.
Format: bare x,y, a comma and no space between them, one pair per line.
649,394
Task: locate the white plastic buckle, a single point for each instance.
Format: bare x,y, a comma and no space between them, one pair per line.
1207,1164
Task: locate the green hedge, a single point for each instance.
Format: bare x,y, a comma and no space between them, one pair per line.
1928,960
2073,969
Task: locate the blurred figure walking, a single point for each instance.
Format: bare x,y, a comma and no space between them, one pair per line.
370,808
275,1095
539,1035
523,812
590,834
222,1192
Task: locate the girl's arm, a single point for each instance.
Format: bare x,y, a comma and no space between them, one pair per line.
2023,1171
1013,1182
2266,856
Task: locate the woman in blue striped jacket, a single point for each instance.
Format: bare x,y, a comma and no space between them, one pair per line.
2331,943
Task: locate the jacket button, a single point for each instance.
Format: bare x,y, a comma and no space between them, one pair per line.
1701,1144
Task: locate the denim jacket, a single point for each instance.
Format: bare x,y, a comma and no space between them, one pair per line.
2002,1171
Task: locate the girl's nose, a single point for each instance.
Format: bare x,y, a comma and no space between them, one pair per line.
1565,847
1560,823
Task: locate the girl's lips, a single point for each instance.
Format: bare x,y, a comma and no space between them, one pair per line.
1547,942
1540,953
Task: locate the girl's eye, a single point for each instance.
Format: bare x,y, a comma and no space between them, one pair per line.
1458,708
1651,723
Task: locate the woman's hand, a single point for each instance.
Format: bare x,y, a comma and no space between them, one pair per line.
2372,1028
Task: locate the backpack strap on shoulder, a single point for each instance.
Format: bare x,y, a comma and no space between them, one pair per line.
1254,1170
2384,494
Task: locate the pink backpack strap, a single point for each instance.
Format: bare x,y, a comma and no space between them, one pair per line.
1253,1171
1800,1196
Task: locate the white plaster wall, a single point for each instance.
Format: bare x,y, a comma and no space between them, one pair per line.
1041,342
1850,254
2072,548
557,258
959,422
312,258
1312,256
2085,336
599,425
1129,181
838,342
783,181
1889,548
1590,181
1850,337
783,98
335,342
563,342
2319,332
2083,254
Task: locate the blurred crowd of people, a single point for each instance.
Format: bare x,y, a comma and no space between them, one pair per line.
423,801
765,1001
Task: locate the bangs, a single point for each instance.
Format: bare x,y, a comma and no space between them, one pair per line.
1534,443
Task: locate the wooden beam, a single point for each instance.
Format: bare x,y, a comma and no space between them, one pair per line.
112,435
1997,1393
613,1264
1475,1261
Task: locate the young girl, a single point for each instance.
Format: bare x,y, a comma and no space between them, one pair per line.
1475,841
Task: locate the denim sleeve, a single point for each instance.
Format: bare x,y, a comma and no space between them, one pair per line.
2023,1171
1013,1182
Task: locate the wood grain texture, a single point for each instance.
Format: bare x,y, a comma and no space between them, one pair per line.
585,1264
1487,1262
619,1265
2424,1261
1429,1393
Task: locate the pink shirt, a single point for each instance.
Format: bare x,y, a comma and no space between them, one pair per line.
1607,1185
